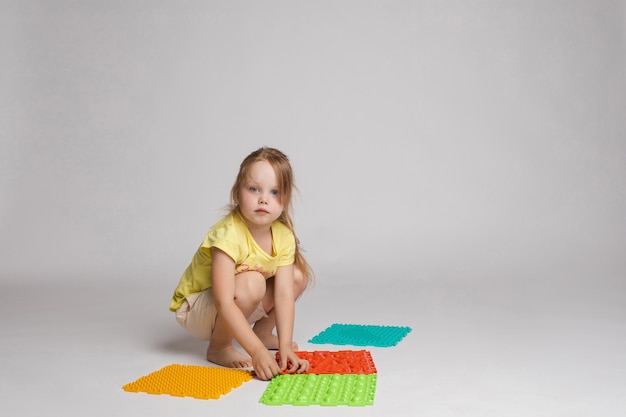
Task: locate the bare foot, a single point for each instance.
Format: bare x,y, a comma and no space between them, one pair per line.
271,342
228,356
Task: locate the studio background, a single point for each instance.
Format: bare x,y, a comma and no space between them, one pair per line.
426,137
436,144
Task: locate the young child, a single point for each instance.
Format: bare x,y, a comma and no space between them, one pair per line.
248,271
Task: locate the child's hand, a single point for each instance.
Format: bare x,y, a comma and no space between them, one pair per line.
295,364
264,364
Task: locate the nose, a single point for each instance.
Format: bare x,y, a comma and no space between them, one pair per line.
263,199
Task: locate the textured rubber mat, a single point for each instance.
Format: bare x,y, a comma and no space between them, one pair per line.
340,362
361,335
190,381
326,390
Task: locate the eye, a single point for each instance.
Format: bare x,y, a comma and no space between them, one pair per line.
275,192
253,189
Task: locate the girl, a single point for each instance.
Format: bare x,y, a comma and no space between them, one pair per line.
248,271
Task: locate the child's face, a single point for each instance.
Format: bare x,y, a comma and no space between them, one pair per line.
259,196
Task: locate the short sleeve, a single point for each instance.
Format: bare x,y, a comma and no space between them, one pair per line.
224,236
285,243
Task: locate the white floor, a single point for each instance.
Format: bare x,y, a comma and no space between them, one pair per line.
475,350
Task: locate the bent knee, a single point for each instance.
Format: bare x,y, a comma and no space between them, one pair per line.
249,287
299,281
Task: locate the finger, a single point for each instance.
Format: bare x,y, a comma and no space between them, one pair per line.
304,366
261,375
296,367
283,363
290,364
287,363
276,369
264,374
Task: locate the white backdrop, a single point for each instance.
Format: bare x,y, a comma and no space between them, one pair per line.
431,140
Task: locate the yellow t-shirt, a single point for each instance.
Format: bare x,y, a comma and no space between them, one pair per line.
232,236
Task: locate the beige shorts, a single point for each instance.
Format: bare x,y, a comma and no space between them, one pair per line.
198,313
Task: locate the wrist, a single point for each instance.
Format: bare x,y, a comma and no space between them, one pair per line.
285,347
258,350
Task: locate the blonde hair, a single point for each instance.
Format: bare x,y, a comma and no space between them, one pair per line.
284,174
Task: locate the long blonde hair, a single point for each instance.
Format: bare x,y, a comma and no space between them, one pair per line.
284,173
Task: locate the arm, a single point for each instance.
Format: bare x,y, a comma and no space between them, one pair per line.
284,305
223,283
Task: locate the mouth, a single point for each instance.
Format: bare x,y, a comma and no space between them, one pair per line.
261,211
